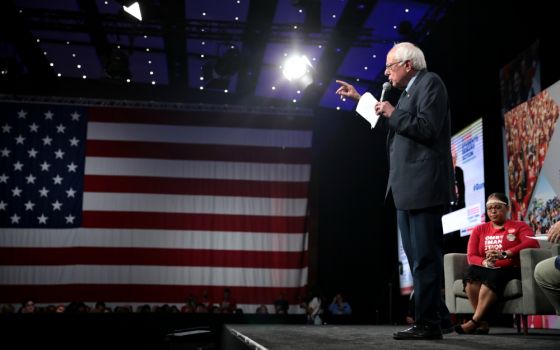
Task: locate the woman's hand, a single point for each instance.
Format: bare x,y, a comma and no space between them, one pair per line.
488,262
491,257
493,254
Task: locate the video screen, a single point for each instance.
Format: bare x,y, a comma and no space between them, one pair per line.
468,159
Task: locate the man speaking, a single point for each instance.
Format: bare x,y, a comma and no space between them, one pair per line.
421,179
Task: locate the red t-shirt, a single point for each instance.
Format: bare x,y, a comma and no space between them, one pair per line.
513,237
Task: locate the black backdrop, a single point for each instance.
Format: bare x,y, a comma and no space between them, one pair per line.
356,232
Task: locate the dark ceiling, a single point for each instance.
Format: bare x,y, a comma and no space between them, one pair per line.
89,48
178,44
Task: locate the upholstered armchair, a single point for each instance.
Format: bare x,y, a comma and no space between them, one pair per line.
521,297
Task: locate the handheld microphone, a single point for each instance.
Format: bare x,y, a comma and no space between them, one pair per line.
386,88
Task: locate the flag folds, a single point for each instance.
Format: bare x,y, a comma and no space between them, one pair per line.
150,206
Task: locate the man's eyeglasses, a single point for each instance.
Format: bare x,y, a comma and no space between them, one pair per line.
495,207
390,66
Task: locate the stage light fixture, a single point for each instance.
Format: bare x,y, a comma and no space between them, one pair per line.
217,73
229,63
9,68
134,10
312,8
118,65
298,70
406,29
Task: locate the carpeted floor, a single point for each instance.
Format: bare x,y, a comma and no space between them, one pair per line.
329,337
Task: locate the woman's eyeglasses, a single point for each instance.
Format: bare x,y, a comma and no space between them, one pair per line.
495,207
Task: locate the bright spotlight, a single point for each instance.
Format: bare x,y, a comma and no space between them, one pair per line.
296,67
134,10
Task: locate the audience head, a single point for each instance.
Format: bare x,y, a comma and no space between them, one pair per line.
60,309
262,309
28,307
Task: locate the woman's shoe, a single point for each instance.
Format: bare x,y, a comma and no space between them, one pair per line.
483,329
460,330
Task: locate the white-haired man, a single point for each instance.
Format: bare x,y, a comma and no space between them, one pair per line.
421,180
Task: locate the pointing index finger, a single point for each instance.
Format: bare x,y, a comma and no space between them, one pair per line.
341,82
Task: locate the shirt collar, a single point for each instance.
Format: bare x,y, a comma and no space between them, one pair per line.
410,83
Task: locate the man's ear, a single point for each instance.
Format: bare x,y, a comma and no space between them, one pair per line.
408,65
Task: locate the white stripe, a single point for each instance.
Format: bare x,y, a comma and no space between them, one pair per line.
164,203
115,238
199,135
245,339
155,275
197,169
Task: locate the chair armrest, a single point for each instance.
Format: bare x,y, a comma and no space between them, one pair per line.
455,265
534,300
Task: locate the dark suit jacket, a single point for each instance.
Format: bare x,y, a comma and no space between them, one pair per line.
419,146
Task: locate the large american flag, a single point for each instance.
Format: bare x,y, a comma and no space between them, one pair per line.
135,206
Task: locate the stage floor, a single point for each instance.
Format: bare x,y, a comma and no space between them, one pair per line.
331,337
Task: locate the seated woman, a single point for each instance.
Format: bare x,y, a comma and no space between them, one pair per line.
493,256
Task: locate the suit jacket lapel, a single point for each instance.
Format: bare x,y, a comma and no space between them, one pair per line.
403,94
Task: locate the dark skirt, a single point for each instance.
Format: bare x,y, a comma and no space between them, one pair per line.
495,279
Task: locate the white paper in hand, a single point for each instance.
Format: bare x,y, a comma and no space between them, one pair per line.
539,237
366,108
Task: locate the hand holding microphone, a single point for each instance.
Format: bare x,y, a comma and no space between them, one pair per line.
385,91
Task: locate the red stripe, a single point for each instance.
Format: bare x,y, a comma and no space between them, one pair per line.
152,256
230,153
127,293
225,119
209,187
205,222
